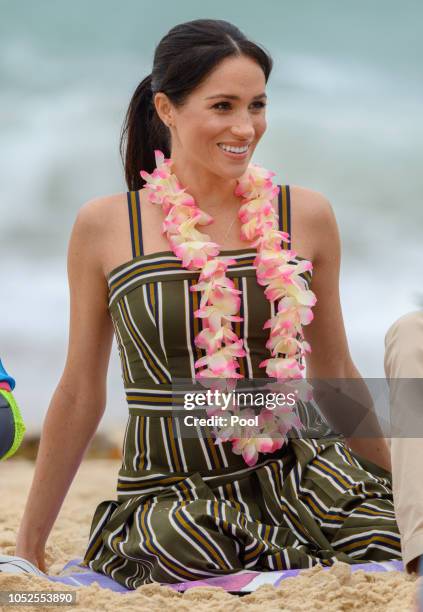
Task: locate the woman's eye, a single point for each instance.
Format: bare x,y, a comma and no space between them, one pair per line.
226,104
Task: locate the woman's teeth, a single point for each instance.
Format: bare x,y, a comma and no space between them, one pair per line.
238,150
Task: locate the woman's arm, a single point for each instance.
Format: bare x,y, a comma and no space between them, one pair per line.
330,357
79,400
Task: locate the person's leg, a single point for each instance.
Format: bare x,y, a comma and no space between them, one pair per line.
404,359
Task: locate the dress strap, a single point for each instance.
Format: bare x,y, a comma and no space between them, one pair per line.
284,205
134,211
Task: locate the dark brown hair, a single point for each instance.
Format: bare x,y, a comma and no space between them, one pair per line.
183,58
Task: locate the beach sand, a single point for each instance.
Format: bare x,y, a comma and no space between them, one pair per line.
336,589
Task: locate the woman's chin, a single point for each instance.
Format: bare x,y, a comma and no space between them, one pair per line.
233,170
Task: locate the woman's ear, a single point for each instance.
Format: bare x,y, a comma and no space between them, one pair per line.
163,108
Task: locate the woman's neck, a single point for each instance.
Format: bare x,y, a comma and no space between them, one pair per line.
210,191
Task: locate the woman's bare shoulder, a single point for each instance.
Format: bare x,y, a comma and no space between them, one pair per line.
101,210
98,224
309,202
312,221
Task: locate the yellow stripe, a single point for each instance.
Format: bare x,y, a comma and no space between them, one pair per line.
324,515
278,560
294,519
152,399
212,448
93,549
231,497
186,491
136,271
381,513
116,564
284,213
241,360
122,359
266,534
115,541
334,473
150,289
172,444
139,342
166,265
348,455
378,538
277,475
141,460
195,320
135,223
217,517
148,483
156,553
201,540
255,551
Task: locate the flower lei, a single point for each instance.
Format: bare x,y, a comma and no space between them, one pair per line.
276,267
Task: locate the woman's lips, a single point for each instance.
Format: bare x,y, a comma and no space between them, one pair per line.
231,155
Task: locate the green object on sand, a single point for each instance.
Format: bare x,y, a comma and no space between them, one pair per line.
17,422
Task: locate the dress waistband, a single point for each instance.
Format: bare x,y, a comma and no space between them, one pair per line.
160,401
169,400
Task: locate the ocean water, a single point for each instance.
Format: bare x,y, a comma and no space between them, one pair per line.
344,118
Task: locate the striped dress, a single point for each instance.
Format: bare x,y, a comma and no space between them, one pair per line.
187,508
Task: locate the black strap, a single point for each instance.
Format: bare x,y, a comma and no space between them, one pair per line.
134,211
284,207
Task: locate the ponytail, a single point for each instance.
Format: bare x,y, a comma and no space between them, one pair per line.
142,132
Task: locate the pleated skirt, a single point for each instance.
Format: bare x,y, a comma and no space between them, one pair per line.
188,509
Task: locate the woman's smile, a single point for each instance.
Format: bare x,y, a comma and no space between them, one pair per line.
234,152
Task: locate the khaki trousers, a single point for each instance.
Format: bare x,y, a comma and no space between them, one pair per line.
404,359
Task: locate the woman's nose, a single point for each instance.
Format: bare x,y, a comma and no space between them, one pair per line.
246,131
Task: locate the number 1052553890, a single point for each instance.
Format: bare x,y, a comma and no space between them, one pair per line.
23,598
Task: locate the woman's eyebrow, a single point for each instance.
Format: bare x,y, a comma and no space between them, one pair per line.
231,97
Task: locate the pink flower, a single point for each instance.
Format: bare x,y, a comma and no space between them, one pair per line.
276,268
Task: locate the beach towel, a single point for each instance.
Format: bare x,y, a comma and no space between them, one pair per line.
241,583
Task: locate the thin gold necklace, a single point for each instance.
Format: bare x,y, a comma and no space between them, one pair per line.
230,227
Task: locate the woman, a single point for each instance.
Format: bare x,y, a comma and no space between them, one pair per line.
188,509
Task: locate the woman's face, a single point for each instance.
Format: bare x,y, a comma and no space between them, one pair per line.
227,108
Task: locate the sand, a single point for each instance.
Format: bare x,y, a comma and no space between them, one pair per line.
334,590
